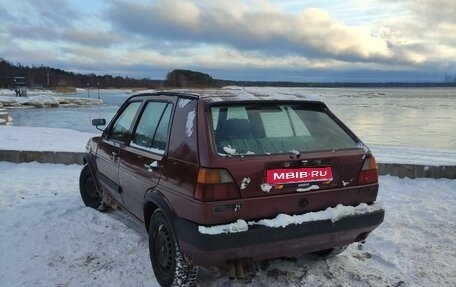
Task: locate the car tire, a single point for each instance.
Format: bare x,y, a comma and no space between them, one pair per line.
88,189
331,252
171,267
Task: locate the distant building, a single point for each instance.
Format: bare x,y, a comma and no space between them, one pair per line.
20,86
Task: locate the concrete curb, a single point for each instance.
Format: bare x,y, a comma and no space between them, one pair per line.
41,156
417,171
395,169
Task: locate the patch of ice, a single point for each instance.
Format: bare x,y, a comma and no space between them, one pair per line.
189,124
266,187
243,94
245,182
312,187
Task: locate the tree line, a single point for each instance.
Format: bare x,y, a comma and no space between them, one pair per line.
48,77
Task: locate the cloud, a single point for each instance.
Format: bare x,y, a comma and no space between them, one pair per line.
261,36
425,37
93,38
47,12
257,26
433,11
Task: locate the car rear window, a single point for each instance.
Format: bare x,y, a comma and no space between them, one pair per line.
275,128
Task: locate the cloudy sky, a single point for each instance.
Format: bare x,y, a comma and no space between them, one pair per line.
315,40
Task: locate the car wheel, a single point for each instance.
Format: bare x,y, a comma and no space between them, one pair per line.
327,253
171,267
88,189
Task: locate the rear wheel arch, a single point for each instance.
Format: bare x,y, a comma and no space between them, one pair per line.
153,200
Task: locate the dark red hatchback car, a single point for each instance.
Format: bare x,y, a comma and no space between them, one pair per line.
216,178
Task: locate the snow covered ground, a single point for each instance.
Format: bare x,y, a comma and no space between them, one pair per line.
48,238
43,139
54,139
43,98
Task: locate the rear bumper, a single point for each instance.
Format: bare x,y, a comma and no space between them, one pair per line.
261,242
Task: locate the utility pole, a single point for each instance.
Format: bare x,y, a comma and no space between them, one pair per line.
88,90
98,86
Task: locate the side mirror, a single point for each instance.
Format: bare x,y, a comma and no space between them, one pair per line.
98,122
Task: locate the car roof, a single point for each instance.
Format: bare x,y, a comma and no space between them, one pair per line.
237,94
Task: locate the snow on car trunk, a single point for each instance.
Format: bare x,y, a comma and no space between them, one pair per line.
48,238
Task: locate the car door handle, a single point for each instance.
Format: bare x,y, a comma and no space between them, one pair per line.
116,153
152,166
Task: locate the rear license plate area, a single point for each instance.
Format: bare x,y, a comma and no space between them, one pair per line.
298,175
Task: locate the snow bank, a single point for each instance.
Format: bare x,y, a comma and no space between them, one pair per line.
48,238
46,100
42,139
33,92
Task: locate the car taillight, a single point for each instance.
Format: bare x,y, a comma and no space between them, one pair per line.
369,172
215,184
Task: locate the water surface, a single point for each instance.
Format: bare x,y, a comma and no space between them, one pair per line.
417,117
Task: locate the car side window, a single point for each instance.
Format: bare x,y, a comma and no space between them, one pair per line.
152,130
162,131
122,125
